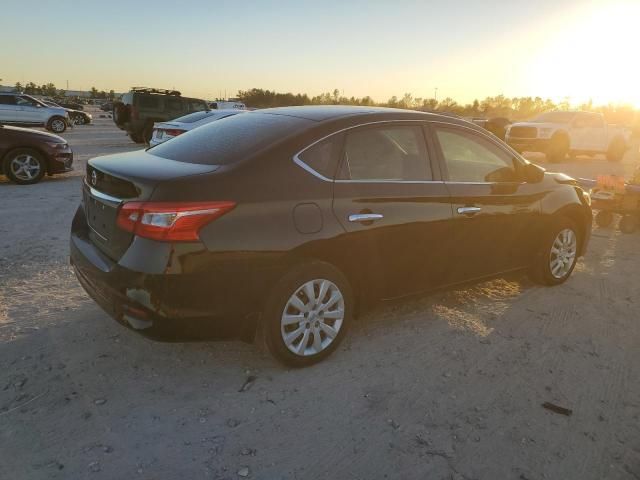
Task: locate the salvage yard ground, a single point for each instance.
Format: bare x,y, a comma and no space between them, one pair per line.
446,386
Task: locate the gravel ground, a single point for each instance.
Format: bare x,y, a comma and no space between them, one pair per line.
447,386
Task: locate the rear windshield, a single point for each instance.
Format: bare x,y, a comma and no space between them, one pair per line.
221,143
196,117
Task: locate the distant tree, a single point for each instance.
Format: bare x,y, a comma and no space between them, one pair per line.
18,87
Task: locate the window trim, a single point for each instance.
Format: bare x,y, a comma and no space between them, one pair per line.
443,165
298,161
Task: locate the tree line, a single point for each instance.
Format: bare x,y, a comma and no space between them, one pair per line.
50,90
515,108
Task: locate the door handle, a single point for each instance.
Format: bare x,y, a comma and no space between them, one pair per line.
365,217
468,210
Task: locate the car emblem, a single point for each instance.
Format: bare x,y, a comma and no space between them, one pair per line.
94,178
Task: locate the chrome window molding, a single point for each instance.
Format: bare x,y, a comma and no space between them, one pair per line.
298,161
102,196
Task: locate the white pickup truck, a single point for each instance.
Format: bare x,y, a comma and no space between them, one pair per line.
557,134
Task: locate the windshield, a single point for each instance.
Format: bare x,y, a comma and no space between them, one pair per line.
555,117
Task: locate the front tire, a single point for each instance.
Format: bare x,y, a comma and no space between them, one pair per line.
308,314
137,138
57,125
628,224
604,218
558,149
558,253
24,166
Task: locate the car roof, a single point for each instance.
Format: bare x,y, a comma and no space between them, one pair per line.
322,113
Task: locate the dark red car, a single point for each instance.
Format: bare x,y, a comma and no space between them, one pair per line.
26,154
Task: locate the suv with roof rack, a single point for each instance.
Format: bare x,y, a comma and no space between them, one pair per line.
141,107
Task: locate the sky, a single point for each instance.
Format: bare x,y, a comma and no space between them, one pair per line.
465,49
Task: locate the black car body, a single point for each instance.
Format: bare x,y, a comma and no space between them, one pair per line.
364,195
38,153
77,117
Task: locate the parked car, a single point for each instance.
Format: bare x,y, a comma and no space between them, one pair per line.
26,111
496,125
557,134
227,105
26,155
71,105
164,131
107,107
77,117
140,108
288,221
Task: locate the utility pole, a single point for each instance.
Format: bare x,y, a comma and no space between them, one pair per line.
436,94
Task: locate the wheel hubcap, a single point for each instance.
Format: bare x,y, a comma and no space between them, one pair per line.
25,167
563,253
312,317
57,125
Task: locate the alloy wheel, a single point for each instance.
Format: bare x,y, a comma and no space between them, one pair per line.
563,253
57,126
312,317
25,167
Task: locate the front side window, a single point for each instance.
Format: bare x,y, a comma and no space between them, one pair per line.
148,101
471,158
386,153
174,104
25,102
198,106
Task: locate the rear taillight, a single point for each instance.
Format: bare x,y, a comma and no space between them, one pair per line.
168,221
133,112
174,132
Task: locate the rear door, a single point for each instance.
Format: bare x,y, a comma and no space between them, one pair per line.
29,111
394,207
495,211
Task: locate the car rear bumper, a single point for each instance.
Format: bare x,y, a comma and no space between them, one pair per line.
163,306
528,144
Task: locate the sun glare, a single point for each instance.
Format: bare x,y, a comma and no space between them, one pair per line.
591,57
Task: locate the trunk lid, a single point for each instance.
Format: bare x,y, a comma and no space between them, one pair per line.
113,179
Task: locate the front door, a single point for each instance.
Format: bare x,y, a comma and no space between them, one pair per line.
29,111
395,210
494,210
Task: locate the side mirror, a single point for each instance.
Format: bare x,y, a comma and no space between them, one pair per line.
533,173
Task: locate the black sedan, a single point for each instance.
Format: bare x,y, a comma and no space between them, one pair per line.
288,221
26,155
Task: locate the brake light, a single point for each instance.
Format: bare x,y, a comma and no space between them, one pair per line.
168,221
173,132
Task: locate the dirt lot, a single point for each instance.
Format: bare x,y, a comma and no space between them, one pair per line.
448,386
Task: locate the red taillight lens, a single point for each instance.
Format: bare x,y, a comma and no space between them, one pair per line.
174,132
170,222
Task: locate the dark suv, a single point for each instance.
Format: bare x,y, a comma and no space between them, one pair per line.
139,108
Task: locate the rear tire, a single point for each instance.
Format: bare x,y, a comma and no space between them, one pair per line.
147,133
604,218
313,299
558,149
616,150
120,113
24,166
57,125
558,253
137,138
628,224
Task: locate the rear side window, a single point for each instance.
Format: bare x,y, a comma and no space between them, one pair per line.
7,100
386,153
238,137
149,101
471,158
173,104
322,157
198,106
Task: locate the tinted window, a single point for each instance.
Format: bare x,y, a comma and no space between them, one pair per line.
26,102
471,158
386,153
322,156
7,100
173,103
148,101
239,136
198,106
